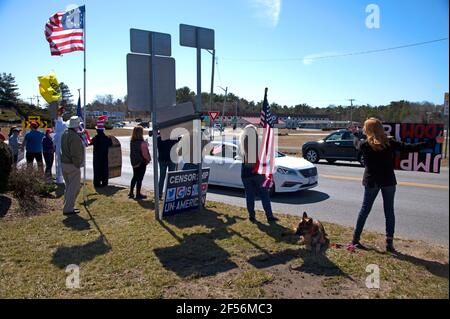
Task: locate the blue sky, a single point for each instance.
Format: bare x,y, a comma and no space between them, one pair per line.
250,34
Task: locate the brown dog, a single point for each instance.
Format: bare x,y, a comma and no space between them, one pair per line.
313,233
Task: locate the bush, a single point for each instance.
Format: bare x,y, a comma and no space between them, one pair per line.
27,183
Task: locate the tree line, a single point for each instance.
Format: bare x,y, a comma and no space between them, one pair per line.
395,111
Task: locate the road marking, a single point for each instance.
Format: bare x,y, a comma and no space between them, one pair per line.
349,178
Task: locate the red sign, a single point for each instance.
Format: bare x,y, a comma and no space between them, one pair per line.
214,115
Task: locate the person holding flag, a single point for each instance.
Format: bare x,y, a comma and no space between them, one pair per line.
101,144
257,170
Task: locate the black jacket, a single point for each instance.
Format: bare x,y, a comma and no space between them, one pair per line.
379,165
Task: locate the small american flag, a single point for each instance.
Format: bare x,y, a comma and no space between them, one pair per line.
84,134
65,31
265,163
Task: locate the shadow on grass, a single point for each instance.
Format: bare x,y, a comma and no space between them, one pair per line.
198,255
65,256
434,267
5,204
109,190
296,198
313,263
76,222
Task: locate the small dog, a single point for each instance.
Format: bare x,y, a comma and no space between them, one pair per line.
312,232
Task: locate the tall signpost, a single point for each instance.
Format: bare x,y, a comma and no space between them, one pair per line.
151,83
198,38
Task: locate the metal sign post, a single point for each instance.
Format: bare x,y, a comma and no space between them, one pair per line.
199,38
151,84
155,131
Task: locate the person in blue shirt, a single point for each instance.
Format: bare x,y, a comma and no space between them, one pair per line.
32,143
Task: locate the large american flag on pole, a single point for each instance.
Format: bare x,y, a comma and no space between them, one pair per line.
84,134
65,31
265,163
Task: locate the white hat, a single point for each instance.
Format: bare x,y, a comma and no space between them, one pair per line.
74,122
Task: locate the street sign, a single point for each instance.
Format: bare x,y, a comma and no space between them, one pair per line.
213,116
182,191
139,72
196,37
446,104
140,42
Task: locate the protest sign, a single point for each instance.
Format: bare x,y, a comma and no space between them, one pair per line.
182,191
427,160
115,158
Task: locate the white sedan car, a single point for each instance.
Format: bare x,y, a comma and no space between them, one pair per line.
291,174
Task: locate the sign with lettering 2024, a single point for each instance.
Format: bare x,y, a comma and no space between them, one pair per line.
427,160
182,191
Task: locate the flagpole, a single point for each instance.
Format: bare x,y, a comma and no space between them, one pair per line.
84,104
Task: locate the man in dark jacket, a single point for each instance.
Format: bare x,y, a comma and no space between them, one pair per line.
164,160
101,144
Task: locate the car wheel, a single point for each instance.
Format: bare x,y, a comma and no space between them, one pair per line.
361,159
312,156
331,161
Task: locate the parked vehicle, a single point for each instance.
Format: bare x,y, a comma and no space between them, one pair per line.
144,124
336,146
291,173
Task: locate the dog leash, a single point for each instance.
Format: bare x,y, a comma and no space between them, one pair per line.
350,247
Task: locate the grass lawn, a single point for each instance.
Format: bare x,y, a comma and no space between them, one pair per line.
123,252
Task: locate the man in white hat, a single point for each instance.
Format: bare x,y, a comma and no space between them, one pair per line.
72,159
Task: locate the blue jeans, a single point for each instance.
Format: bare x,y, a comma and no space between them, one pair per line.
163,166
370,194
252,186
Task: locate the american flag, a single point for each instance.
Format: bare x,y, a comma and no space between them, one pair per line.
84,134
265,163
65,30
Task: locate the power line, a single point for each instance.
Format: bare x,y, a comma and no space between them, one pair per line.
339,55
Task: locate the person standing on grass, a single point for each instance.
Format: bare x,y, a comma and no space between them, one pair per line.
378,150
101,144
164,160
14,144
6,160
140,158
32,142
60,128
72,159
48,149
252,180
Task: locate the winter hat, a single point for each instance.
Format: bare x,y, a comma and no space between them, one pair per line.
101,121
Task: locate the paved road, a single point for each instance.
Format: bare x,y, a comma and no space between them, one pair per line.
422,200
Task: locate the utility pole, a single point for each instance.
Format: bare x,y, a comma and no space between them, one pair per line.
351,111
31,100
37,100
223,106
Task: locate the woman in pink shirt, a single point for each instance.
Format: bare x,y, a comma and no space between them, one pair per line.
140,158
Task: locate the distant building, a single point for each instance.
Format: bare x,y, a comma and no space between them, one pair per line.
112,116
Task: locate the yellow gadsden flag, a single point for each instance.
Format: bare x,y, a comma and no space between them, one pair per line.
49,87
